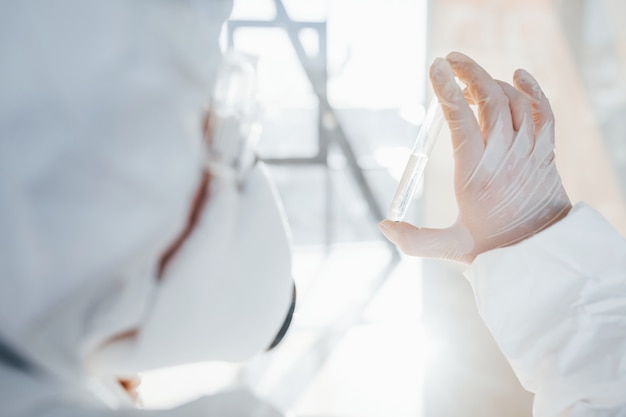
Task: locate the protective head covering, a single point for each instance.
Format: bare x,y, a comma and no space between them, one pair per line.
100,137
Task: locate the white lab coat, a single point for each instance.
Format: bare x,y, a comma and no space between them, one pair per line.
556,306
101,116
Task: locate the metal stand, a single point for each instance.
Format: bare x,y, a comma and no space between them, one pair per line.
329,127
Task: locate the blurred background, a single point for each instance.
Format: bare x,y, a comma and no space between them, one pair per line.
343,85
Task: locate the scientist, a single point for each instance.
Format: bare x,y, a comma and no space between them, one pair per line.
549,279
120,251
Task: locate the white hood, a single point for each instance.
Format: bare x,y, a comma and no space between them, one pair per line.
100,133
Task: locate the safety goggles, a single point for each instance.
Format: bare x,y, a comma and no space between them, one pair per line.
233,128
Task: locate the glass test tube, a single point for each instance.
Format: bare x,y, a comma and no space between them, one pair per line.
414,169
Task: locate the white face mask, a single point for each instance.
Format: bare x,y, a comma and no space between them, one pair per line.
226,293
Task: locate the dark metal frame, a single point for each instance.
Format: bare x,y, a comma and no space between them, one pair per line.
329,126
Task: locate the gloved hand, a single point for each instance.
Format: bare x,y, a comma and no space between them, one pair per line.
506,183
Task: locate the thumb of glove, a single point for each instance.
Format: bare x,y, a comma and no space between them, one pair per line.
451,243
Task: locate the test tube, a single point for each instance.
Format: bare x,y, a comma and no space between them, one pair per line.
414,169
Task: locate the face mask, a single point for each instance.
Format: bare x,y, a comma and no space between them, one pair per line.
227,292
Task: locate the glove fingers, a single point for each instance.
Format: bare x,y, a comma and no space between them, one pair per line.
448,243
468,96
464,130
522,117
542,112
495,119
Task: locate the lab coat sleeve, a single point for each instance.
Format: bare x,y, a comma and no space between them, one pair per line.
556,305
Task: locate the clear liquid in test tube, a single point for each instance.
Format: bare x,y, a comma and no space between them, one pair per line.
414,169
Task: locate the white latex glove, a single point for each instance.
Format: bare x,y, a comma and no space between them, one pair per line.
506,183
